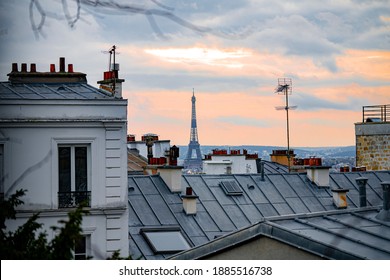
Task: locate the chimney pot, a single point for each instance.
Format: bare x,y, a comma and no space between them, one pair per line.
14,67
70,68
52,68
62,64
24,67
188,191
33,68
362,182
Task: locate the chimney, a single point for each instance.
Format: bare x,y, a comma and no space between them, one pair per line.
171,176
14,67
384,214
340,198
24,67
52,68
173,155
33,68
362,182
70,68
189,202
319,175
62,64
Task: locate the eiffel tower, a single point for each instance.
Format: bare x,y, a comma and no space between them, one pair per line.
193,160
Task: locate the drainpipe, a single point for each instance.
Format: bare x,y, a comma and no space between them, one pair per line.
362,182
384,214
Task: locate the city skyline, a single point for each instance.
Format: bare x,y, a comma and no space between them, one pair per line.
232,53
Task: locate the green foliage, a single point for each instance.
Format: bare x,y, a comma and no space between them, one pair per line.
30,244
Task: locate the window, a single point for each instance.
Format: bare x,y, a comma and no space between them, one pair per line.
165,240
1,172
81,249
231,188
73,173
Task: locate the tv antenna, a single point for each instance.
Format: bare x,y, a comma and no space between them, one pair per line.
113,67
285,87
112,51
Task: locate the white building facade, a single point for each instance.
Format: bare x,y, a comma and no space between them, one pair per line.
234,162
64,142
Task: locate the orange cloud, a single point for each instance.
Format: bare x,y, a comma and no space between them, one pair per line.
366,64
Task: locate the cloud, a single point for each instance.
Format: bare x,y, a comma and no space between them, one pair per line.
242,121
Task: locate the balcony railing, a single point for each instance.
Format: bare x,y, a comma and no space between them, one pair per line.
378,113
74,199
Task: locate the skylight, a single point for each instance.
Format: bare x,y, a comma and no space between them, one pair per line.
165,240
231,188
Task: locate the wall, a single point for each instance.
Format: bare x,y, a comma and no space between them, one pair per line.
373,145
159,147
263,248
31,134
239,164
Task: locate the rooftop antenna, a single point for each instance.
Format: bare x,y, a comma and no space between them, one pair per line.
112,67
285,87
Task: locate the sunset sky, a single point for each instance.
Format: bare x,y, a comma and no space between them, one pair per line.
232,53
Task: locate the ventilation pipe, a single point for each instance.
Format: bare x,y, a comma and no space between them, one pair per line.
384,214
362,183
262,170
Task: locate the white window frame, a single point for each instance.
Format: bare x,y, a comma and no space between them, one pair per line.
91,151
87,253
73,164
2,174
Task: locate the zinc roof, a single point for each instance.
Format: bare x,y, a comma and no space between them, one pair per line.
344,234
151,203
65,91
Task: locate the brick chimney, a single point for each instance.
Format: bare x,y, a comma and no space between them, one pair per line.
33,76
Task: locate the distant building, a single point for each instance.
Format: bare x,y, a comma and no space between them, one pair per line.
64,142
230,162
373,138
149,152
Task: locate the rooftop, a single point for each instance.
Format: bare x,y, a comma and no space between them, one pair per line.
33,85
344,234
153,205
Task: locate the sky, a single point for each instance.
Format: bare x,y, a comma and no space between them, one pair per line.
230,53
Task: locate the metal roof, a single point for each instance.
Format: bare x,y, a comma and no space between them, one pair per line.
343,234
152,204
274,167
65,91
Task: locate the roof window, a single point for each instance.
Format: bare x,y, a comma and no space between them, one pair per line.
231,188
165,240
